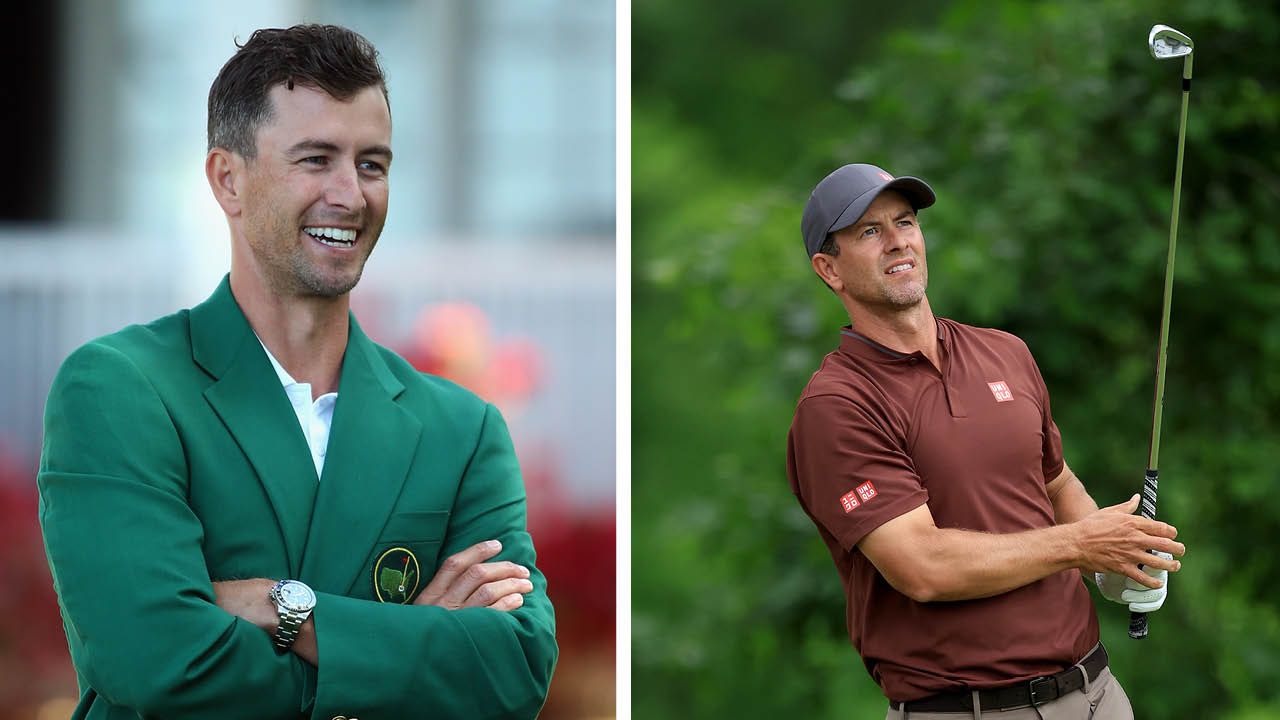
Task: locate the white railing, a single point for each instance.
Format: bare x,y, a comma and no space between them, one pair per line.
60,288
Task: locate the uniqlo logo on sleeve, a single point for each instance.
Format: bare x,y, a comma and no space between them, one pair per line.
849,501
857,496
1001,390
866,491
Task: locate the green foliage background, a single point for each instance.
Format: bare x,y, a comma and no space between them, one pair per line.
1049,133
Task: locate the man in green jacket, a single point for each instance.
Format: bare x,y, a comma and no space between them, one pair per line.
252,510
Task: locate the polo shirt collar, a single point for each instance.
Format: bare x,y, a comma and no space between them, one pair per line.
285,378
860,346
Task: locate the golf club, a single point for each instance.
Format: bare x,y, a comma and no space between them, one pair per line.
1164,42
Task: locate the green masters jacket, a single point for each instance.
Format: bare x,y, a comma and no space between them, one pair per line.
172,458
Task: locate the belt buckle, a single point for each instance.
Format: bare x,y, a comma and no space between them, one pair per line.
1040,694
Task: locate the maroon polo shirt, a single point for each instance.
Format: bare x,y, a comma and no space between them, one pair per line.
878,433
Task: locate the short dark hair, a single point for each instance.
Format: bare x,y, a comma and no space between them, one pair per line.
334,59
830,246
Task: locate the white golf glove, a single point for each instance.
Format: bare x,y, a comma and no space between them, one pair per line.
1139,597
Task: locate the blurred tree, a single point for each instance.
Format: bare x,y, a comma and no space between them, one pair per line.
1049,133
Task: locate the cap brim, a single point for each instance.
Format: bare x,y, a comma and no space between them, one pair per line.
915,190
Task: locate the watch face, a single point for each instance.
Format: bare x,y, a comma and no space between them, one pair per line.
297,596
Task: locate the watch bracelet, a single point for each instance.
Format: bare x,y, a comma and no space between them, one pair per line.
289,627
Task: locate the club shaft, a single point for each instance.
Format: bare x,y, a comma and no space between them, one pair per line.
1157,413
1138,621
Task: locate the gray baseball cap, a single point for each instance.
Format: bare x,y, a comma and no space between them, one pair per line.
841,198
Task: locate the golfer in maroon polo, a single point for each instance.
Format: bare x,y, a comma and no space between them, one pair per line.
925,452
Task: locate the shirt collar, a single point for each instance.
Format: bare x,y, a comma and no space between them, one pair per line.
285,378
858,345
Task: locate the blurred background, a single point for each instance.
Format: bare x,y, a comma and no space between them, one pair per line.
1049,133
496,266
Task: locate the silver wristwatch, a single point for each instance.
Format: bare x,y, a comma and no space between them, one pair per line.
294,601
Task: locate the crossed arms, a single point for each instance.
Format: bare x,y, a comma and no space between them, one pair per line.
464,580
141,613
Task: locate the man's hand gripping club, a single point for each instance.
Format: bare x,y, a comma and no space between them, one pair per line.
1107,546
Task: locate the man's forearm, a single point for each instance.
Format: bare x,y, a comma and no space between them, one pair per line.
975,565
450,664
928,563
1071,501
969,565
250,600
966,565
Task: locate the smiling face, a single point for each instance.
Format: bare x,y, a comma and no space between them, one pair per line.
313,201
880,266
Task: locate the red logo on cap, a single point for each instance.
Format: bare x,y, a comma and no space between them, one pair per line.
886,175
1001,391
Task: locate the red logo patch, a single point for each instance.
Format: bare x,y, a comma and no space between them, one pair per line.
866,491
857,496
849,501
886,176
1001,391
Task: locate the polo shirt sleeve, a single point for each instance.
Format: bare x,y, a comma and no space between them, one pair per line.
849,469
1051,462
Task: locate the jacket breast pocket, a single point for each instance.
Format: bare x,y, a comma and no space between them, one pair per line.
404,558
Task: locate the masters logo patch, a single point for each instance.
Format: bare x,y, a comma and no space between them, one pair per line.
396,575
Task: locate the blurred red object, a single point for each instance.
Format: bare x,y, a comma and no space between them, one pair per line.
454,341
576,552
34,662
576,548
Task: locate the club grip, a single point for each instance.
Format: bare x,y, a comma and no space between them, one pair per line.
1147,509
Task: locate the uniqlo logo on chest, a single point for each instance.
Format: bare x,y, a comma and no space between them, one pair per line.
1001,390
857,496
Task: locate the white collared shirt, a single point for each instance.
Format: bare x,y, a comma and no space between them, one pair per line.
314,417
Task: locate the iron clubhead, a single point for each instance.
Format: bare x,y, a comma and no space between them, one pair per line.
1165,43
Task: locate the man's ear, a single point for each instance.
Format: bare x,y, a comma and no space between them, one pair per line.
225,172
825,266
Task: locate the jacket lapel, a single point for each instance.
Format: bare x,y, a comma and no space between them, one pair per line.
371,444
249,400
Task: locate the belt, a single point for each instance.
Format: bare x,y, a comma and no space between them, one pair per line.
1037,691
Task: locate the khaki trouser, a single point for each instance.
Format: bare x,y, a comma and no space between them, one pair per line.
1102,699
